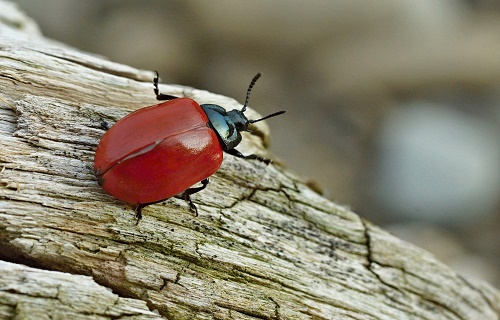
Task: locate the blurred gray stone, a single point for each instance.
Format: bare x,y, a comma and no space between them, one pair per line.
437,164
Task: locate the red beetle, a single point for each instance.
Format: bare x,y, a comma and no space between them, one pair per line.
159,151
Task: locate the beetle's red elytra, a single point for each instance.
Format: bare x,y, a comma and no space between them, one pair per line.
163,150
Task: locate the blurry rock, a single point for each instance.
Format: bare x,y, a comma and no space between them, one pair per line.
437,164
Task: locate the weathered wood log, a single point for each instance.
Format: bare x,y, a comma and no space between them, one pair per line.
264,245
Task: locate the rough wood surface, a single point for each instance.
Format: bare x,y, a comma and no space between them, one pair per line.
30,293
264,245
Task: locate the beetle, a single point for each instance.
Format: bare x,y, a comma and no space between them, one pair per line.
163,150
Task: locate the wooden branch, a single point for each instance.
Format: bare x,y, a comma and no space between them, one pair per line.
264,245
30,293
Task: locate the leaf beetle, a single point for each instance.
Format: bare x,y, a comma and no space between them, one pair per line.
163,150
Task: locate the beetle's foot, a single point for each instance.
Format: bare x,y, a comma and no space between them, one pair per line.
193,209
259,158
104,124
138,213
187,195
192,206
265,160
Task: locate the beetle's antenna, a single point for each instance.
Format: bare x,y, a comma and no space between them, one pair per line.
267,117
252,83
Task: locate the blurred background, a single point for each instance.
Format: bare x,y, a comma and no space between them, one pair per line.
393,106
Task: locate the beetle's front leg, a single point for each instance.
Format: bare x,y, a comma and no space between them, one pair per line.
238,154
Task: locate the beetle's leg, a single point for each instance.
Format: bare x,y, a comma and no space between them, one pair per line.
160,96
104,124
238,154
138,212
187,195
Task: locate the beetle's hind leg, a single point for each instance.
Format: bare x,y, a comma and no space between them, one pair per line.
104,124
160,96
187,195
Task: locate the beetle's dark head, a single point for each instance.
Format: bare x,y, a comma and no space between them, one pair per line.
228,125
238,117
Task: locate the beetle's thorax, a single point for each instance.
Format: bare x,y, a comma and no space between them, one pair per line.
227,125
